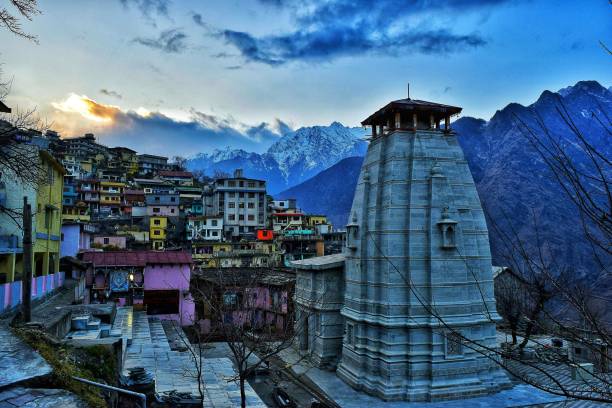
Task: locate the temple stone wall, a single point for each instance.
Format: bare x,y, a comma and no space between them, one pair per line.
418,271
319,295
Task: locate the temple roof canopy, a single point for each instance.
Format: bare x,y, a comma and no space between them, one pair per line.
438,110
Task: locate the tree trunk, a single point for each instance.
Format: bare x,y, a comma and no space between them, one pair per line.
26,304
242,394
531,323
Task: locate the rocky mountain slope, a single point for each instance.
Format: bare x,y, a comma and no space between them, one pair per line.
518,191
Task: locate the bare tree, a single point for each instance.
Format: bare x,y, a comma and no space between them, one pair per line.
10,17
233,303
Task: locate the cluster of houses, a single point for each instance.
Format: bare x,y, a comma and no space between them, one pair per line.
136,228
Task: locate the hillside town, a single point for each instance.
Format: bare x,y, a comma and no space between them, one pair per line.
305,204
133,253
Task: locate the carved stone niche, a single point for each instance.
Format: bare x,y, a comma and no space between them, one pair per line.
448,228
352,231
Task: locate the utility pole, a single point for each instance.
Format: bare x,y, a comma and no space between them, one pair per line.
26,304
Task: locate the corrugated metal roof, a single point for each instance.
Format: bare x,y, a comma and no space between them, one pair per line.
136,258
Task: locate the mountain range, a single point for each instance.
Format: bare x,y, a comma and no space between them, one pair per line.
295,157
520,195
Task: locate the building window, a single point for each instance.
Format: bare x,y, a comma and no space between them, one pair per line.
231,204
241,217
172,210
231,217
173,199
251,205
155,209
241,205
157,222
106,241
215,233
231,194
156,232
251,217
453,344
251,184
213,223
231,183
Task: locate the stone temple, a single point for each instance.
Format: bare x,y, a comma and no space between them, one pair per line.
399,312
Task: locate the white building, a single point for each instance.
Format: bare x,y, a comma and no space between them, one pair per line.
204,228
241,202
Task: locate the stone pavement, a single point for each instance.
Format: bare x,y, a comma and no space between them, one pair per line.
18,361
148,347
519,396
39,398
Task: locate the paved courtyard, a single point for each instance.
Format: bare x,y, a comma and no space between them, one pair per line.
520,395
174,370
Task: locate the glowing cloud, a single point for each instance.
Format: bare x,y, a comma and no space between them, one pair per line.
87,108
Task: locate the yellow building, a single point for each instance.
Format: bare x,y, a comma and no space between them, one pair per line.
48,217
157,231
126,158
78,212
110,196
312,220
206,254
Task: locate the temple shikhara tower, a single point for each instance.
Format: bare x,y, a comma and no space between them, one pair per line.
417,279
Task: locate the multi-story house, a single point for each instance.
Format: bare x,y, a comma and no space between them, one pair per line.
241,202
284,205
157,231
48,216
204,228
44,195
76,237
110,197
153,186
150,164
181,178
284,221
125,159
89,193
84,146
162,205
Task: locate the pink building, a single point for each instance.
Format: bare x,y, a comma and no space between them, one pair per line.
152,280
257,297
114,241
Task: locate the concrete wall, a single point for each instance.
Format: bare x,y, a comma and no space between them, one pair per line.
169,277
69,245
11,293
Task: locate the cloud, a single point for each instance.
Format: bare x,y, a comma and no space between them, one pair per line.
170,41
157,133
87,108
109,92
197,18
331,29
149,7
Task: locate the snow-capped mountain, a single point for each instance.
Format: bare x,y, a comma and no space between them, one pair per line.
292,159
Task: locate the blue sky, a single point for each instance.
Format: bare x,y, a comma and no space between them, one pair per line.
181,77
